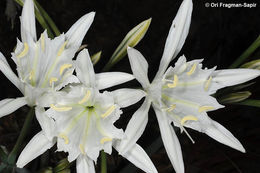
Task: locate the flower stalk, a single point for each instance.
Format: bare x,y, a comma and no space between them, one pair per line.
103,162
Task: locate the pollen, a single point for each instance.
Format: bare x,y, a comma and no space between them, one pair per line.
109,111
60,109
62,48
171,108
192,70
82,150
85,98
53,79
65,137
42,42
187,118
175,81
105,139
206,87
63,67
24,52
206,108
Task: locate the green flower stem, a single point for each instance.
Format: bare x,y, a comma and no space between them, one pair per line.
48,18
26,126
40,20
247,53
250,102
103,162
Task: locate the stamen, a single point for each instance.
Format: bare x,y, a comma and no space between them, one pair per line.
193,68
31,75
65,137
175,81
62,48
208,83
63,67
42,42
60,109
24,52
171,108
85,98
185,131
108,112
81,147
205,108
53,79
187,118
105,139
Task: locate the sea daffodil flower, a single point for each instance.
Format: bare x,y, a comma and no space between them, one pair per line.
45,65
84,117
181,94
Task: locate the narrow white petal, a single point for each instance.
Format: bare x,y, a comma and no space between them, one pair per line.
177,35
170,141
139,66
84,69
28,30
46,123
139,158
222,135
78,30
126,97
110,79
37,146
6,69
224,78
8,106
135,127
85,164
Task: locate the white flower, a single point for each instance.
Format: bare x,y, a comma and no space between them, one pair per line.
181,94
83,119
44,65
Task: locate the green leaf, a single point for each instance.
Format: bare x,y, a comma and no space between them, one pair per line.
62,166
250,102
96,57
252,64
132,38
235,97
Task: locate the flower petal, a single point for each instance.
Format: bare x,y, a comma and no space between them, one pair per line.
78,30
177,35
84,69
139,158
135,127
126,97
139,66
85,164
110,79
6,69
222,135
8,106
28,30
224,78
37,146
46,123
170,140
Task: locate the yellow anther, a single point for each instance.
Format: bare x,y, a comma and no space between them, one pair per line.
60,109
42,42
171,108
193,68
62,48
82,150
187,118
206,108
65,137
109,111
63,67
24,52
85,98
175,81
31,75
206,87
105,139
53,79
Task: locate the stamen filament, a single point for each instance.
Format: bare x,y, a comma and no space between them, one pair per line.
42,42
171,108
193,68
208,83
85,98
24,52
62,48
82,150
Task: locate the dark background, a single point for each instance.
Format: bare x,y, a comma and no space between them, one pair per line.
219,35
